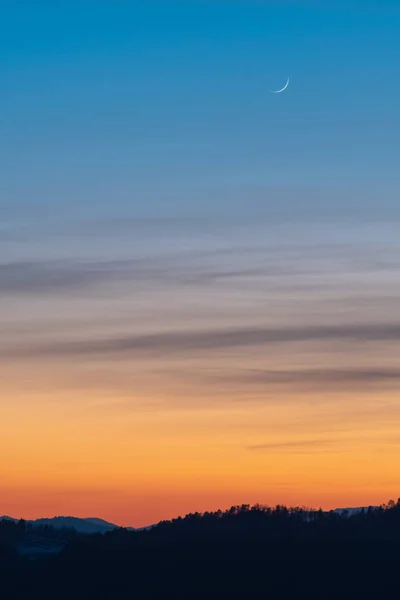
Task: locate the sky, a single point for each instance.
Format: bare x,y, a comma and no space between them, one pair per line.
199,280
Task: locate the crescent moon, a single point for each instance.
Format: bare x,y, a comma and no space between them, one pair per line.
282,90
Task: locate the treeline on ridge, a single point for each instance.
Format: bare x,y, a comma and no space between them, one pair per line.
246,551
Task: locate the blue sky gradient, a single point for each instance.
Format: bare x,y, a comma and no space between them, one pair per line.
162,109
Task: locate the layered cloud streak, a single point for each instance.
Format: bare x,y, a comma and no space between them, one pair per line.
284,306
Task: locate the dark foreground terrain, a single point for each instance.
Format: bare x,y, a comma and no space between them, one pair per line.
246,552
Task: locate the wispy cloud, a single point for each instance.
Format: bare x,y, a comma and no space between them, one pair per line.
176,342
323,444
44,277
321,379
178,254
297,446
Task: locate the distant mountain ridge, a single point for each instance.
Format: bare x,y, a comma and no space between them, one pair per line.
92,525
354,510
87,525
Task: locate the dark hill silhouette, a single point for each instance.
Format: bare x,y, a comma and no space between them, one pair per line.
88,525
244,552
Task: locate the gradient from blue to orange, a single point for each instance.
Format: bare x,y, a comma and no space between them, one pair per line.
199,280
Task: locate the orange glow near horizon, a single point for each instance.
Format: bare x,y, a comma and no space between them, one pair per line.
136,468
